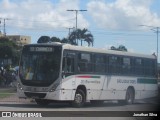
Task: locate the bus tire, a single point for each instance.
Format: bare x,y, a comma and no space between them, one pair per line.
129,99
42,102
79,99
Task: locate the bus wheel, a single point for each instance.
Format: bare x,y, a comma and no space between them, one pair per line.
79,99
129,99
129,96
42,102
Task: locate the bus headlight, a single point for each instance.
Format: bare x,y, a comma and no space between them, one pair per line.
19,86
54,87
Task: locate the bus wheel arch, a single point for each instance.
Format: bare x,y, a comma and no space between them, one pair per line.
80,96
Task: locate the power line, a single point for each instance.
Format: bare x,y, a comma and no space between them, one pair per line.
44,20
76,17
126,34
69,30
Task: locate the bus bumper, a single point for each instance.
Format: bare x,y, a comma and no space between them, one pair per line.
58,95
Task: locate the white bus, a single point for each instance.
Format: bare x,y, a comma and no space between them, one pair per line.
62,72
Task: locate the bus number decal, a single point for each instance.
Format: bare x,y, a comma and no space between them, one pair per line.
126,81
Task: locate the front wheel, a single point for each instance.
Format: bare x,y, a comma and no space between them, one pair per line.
79,99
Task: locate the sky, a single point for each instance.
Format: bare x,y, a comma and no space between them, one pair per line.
111,22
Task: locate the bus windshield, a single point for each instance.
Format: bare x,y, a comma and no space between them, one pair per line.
40,66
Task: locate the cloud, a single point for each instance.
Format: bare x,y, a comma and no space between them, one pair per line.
41,14
123,14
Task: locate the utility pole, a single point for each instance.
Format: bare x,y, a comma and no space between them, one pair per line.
156,30
4,31
4,25
76,19
70,30
0,26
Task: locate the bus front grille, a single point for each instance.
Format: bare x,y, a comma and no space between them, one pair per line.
35,95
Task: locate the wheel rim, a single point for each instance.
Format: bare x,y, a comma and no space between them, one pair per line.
78,98
129,97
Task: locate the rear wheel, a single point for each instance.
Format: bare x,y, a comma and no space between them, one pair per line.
79,99
129,99
129,96
42,102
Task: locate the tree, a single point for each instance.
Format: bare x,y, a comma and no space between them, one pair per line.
6,48
82,35
72,38
6,52
44,39
120,48
65,40
47,39
9,50
55,39
113,48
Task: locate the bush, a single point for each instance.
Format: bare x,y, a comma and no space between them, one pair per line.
1,80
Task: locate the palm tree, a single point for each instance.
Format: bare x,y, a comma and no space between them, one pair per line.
88,38
82,35
72,38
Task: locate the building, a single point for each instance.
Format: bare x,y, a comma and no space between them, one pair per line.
1,34
20,39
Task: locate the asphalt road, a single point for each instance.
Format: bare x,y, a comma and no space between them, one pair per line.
63,111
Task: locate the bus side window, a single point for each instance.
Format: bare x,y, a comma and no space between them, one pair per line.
84,62
68,65
99,63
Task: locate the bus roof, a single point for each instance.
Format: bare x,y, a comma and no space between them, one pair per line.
96,50
111,52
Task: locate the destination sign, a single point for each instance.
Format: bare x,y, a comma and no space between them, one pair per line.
41,49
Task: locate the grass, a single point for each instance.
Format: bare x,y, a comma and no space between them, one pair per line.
4,95
6,92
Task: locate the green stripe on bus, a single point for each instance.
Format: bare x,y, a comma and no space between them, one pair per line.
147,81
87,76
95,76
